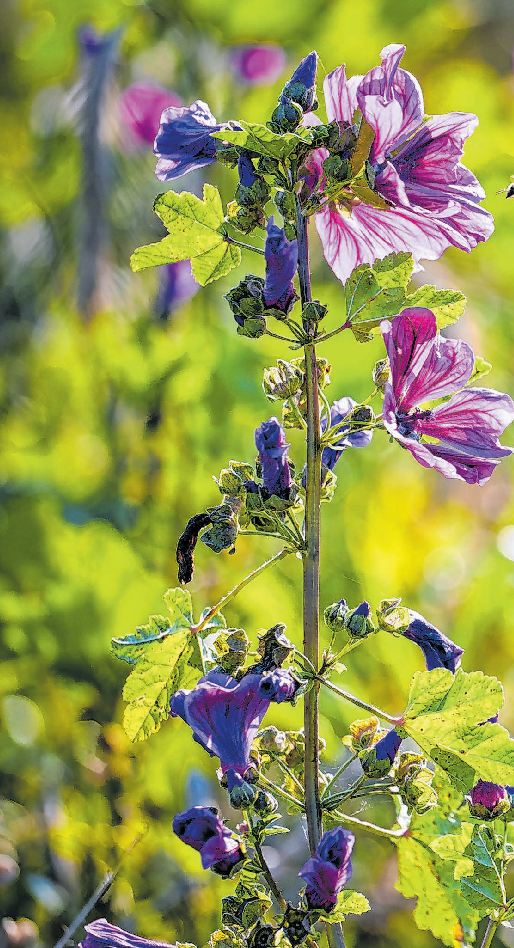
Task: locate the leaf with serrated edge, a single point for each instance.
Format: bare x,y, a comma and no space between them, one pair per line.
161,670
262,140
180,607
394,270
349,902
447,305
452,846
196,234
445,716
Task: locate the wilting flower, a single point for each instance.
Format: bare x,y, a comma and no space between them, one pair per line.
278,685
378,761
328,870
201,828
257,65
462,432
357,439
438,649
183,142
177,287
270,441
224,715
100,934
488,801
433,200
281,256
141,106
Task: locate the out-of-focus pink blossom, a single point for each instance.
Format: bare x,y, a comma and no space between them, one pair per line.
141,106
257,65
433,201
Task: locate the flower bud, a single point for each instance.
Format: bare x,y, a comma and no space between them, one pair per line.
245,218
240,793
488,801
358,622
381,373
414,780
296,925
285,202
272,740
231,648
265,803
335,614
262,936
222,534
361,416
286,117
226,153
282,380
301,87
363,734
247,304
336,169
377,761
252,190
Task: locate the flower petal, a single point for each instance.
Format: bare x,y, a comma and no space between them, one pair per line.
341,95
391,102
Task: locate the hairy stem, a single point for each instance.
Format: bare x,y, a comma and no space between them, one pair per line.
489,932
311,565
357,701
237,589
240,243
370,827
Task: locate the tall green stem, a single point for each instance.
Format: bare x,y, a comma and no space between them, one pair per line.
311,565
489,933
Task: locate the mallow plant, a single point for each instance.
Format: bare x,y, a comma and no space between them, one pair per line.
385,187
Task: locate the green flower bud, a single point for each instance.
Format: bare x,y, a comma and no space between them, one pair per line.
272,740
265,803
282,381
226,153
381,373
241,793
314,312
286,117
285,202
231,648
336,169
255,196
244,219
247,304
334,616
358,622
361,416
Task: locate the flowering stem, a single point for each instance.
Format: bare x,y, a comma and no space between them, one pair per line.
279,792
280,900
85,910
275,335
360,704
328,335
326,405
237,589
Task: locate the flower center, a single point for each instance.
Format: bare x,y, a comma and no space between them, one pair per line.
407,422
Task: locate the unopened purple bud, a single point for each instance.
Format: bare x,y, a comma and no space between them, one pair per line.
334,615
281,256
378,761
488,801
358,622
270,441
301,88
438,649
247,175
278,686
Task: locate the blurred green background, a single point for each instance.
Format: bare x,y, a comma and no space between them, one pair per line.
113,419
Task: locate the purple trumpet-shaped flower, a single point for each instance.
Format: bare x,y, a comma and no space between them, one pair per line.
100,934
357,439
488,801
438,649
463,432
328,870
433,201
257,65
141,107
201,828
281,256
183,142
224,715
270,441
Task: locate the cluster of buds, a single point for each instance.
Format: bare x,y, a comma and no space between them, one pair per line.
252,194
414,781
356,622
297,97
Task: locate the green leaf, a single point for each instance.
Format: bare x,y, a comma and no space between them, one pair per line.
131,648
196,233
447,305
394,270
203,654
349,902
481,368
362,147
262,141
160,671
445,716
452,847
484,890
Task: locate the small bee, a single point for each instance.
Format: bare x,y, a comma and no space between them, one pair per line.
509,190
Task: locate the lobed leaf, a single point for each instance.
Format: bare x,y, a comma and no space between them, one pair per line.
447,305
196,233
349,902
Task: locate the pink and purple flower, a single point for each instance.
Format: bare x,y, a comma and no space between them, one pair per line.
438,649
433,201
459,437
257,65
339,411
328,870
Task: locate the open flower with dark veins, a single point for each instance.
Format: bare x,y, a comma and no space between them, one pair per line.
460,436
430,201
225,714
328,870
